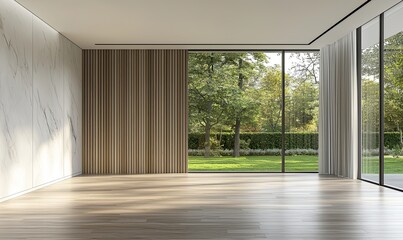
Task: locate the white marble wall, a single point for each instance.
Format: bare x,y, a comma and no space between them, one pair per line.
48,103
40,102
15,99
72,108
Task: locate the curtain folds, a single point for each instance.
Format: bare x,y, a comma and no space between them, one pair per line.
338,109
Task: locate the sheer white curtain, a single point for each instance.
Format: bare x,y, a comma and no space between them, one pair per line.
338,109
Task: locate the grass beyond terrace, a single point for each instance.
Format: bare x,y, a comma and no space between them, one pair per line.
253,164
392,165
300,163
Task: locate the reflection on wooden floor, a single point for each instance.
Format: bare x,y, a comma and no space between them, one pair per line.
205,206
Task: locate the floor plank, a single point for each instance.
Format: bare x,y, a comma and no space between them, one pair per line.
205,206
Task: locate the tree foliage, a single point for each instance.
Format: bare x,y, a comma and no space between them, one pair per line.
270,96
234,92
393,58
393,86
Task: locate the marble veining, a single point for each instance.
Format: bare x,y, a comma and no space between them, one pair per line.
48,103
15,99
72,107
10,144
40,102
52,123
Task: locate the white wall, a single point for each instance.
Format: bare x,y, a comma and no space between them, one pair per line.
40,102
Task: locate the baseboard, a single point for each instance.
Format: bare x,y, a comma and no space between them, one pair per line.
38,187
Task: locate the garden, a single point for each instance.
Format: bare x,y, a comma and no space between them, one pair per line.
261,152
235,111
241,102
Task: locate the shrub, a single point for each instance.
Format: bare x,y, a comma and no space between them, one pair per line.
370,152
259,140
215,144
196,152
293,152
244,144
372,139
196,141
292,140
397,151
255,152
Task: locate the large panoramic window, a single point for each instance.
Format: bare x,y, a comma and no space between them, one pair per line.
370,100
236,111
382,98
393,95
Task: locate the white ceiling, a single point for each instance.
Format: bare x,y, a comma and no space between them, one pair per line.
190,23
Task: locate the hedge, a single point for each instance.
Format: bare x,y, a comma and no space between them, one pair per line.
371,140
255,152
301,140
259,140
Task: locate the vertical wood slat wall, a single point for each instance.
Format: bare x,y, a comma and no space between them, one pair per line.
135,111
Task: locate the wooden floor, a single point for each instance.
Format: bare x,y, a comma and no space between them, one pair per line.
205,206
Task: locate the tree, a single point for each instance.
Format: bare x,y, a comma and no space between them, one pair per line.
370,62
245,68
393,56
242,92
270,95
209,93
302,92
393,85
302,106
306,66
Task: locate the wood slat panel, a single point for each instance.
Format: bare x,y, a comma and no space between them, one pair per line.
135,111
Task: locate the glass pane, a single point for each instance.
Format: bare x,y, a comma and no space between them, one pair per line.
301,111
394,96
235,111
370,100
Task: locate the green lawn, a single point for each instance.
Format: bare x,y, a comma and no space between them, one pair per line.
273,164
392,165
253,163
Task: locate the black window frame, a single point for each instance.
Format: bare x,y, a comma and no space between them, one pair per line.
283,75
381,173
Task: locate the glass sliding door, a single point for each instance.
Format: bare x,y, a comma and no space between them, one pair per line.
393,93
235,115
241,109
301,111
370,109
